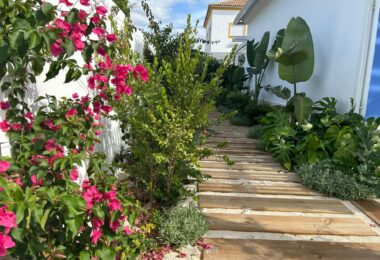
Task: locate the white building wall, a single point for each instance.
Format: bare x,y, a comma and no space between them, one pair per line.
220,21
341,32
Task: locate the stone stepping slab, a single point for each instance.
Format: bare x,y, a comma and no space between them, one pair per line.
256,189
251,175
301,225
277,204
231,249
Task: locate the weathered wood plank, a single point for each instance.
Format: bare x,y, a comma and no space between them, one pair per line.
274,204
371,208
241,166
251,175
290,224
256,189
238,249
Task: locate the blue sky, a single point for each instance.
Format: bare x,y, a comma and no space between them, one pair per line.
173,11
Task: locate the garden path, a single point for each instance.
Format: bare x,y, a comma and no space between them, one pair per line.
258,211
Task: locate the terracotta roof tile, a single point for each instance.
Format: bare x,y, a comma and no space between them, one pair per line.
237,3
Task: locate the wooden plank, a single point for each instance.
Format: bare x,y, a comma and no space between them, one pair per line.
250,159
274,204
238,249
214,139
371,208
251,175
241,166
290,224
256,189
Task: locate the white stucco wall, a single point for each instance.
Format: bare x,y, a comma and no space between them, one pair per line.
341,31
220,21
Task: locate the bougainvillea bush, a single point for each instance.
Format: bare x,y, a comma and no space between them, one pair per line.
47,210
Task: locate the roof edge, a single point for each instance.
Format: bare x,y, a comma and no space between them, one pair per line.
211,7
245,10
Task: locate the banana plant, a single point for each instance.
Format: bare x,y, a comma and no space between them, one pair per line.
296,63
258,60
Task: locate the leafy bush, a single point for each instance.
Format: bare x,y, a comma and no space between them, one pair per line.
241,121
332,179
180,226
163,119
255,132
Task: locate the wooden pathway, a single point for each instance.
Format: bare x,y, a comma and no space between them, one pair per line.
257,211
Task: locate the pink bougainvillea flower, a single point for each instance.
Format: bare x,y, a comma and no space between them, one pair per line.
106,109
95,235
50,145
18,181
181,255
114,205
101,51
35,181
95,19
7,219
111,37
78,43
86,184
65,2
128,231
4,105
4,166
71,112
6,242
97,132
56,48
101,10
97,223
141,72
75,95
16,126
63,25
82,15
117,97
128,91
115,225
74,174
98,31
91,195
29,115
4,126
110,195
85,2
50,124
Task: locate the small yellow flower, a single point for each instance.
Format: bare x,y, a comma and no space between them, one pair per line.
136,242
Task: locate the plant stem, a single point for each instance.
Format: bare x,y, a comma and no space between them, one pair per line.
294,78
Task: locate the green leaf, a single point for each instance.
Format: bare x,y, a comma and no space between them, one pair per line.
303,106
16,39
296,56
3,52
75,205
87,53
261,52
279,91
45,218
47,8
84,255
17,234
74,224
105,253
20,212
38,64
69,46
34,39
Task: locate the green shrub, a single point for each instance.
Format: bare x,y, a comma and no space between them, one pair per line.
180,226
333,179
162,122
241,120
255,132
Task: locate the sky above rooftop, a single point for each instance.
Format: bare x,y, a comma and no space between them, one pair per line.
173,11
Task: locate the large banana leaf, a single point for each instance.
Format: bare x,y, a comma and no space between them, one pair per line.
303,106
296,55
257,53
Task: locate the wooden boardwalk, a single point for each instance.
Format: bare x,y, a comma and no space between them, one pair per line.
257,211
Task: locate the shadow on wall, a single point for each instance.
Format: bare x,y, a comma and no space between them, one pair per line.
111,141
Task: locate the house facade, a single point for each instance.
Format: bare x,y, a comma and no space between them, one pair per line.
220,27
346,45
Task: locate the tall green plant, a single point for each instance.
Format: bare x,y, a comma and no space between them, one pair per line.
296,64
162,122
